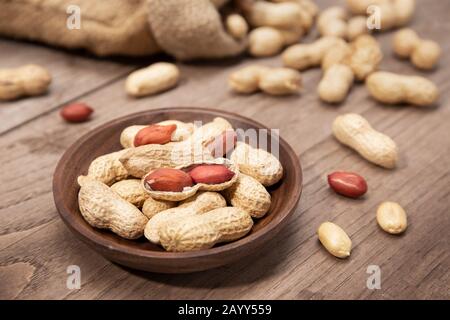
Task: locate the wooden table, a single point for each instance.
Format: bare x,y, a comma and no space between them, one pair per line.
36,248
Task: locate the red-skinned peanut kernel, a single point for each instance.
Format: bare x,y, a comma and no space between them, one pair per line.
211,174
348,184
76,112
154,134
168,179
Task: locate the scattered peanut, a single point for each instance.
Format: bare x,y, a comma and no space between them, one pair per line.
366,56
303,56
283,15
199,232
236,26
156,78
257,163
335,240
76,112
28,80
354,131
281,81
246,80
107,168
392,13
250,195
391,217
336,83
356,26
198,204
338,54
393,88
274,81
131,190
333,22
348,184
103,208
424,54
265,42
151,206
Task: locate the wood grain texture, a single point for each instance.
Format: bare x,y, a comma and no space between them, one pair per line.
37,248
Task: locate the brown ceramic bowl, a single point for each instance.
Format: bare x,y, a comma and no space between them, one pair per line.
141,254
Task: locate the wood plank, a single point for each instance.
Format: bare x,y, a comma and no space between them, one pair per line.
36,247
72,76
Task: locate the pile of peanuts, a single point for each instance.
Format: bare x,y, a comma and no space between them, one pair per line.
174,184
345,51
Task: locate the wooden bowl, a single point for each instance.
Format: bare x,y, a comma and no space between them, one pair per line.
141,254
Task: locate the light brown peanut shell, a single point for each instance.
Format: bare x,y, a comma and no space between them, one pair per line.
284,15
336,83
191,191
394,88
27,80
199,232
250,195
366,56
155,78
281,81
208,132
152,206
141,160
304,56
354,131
198,204
103,208
107,168
333,22
246,80
236,26
265,42
257,163
131,190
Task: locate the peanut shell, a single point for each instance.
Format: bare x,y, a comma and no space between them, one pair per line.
200,203
257,163
131,190
152,206
107,168
250,195
199,232
103,208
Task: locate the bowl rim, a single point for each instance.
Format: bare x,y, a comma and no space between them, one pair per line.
91,237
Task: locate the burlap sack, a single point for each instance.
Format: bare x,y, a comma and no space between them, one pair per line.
186,29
